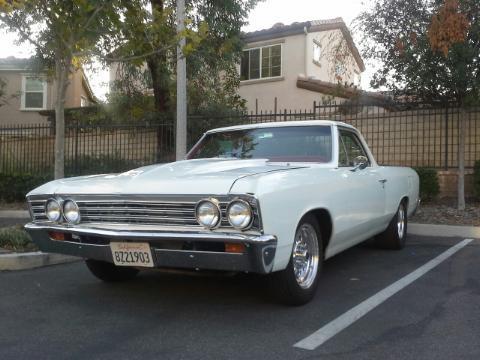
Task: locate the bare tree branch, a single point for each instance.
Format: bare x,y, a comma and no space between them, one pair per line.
18,28
141,56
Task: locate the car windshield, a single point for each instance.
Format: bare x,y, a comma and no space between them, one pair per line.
286,143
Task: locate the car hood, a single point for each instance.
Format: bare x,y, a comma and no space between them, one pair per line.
202,176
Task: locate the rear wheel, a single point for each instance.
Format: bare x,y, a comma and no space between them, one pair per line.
296,285
395,236
108,272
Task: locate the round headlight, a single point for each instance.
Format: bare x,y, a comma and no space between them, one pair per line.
239,214
53,210
71,212
208,213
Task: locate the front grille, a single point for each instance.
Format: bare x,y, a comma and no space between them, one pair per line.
141,211
138,212
37,209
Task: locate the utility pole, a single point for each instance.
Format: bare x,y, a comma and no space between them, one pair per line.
181,136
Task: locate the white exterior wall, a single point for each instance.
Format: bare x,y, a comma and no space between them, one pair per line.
297,60
331,42
284,88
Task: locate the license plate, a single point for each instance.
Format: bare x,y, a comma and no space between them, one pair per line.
131,254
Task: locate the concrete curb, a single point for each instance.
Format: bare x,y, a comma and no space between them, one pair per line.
31,260
14,214
444,230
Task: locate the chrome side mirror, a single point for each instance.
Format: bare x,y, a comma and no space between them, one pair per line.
360,163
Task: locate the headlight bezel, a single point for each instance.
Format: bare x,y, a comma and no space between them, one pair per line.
216,205
65,211
60,210
245,225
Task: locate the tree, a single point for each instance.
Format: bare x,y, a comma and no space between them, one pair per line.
213,49
65,34
428,49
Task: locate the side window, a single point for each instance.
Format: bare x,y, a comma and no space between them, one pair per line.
352,148
342,153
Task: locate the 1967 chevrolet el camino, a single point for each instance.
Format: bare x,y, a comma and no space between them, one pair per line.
274,198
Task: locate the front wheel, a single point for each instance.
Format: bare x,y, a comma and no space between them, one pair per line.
395,236
108,272
296,285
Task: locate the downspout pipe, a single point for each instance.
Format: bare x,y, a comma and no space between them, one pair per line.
305,64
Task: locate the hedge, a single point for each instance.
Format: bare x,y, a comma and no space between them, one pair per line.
429,186
476,179
14,186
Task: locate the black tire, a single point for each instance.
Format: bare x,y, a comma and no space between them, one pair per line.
392,238
108,272
284,284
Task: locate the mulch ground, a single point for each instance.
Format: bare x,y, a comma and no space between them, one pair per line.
13,206
445,212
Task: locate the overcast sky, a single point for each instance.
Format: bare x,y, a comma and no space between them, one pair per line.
263,16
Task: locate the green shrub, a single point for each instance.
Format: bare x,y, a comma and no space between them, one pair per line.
14,187
429,186
476,179
17,239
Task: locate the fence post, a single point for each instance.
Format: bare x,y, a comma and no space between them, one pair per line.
314,109
446,136
76,149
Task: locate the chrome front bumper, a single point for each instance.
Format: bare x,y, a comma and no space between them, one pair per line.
258,256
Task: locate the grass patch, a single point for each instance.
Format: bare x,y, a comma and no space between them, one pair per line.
15,238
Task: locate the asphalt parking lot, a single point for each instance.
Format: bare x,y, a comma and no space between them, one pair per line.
63,312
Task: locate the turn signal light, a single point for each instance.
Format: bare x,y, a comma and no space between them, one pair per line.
60,236
234,248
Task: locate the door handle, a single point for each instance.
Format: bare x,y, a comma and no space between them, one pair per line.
383,181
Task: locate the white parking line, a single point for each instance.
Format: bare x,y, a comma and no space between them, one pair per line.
343,321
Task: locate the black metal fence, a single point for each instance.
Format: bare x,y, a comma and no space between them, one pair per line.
417,135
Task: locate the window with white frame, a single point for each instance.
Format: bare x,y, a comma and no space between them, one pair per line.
262,62
83,101
317,52
34,93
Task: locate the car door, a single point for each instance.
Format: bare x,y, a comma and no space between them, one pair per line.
363,204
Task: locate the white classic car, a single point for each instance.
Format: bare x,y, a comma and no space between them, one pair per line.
272,198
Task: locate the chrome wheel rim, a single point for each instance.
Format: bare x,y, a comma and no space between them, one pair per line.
401,222
305,256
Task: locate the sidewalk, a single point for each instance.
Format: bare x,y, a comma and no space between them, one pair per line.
29,260
444,230
14,214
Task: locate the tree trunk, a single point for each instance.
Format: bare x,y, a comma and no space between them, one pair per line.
461,160
61,78
160,81
157,65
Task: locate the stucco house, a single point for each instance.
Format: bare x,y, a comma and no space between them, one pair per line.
28,92
290,66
